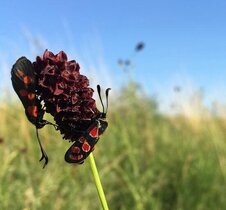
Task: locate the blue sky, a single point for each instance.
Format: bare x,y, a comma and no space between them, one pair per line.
185,40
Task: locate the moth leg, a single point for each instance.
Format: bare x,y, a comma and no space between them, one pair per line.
44,155
54,125
42,123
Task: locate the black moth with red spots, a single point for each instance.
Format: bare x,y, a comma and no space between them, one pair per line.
54,85
24,83
81,149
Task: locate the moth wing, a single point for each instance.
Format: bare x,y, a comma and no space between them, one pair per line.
75,154
23,75
80,150
23,81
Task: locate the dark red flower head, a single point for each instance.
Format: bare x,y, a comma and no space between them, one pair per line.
65,92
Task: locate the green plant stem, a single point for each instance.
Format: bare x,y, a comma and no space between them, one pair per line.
98,182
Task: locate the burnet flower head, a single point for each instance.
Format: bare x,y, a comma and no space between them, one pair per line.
66,93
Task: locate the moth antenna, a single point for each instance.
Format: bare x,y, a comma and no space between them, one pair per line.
106,93
99,93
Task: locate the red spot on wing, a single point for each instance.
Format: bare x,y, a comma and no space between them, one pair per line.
23,93
32,111
75,149
75,157
82,139
94,132
27,79
86,147
31,96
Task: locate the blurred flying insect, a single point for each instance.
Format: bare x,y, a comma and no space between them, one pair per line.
127,64
139,46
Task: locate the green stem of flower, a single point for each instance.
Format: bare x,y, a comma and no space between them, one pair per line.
98,182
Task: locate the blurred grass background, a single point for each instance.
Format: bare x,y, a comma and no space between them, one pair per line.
146,160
